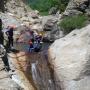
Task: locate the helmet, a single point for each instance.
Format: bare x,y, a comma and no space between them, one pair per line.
12,26
40,34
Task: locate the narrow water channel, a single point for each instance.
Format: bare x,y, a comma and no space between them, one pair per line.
38,69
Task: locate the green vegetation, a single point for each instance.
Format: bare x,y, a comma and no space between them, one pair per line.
70,23
44,5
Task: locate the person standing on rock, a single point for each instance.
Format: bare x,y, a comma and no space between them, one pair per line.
1,33
9,33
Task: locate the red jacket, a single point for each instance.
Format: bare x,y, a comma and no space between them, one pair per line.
30,42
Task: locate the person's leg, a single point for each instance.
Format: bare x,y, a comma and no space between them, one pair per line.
29,48
7,46
2,39
12,41
9,42
6,63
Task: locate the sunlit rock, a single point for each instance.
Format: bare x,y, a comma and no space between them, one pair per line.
70,57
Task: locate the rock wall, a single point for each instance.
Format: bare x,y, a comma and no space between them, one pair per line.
77,7
70,57
19,11
6,83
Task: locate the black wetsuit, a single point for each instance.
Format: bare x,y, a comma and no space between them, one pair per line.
10,37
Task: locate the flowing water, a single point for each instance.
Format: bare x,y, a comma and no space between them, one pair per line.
38,69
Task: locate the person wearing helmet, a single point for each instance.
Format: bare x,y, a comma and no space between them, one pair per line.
9,33
39,38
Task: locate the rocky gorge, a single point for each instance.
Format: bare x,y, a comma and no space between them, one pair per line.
70,57
61,65
18,14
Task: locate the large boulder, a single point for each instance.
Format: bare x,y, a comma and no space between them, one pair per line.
51,28
55,33
53,11
76,7
70,57
49,25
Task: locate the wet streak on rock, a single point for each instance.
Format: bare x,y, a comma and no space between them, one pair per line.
21,65
45,79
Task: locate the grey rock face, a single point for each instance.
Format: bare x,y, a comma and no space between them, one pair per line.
21,11
56,33
71,59
51,28
9,20
17,7
49,25
77,7
6,83
53,11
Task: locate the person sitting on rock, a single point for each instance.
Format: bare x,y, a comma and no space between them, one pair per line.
38,43
32,35
30,46
38,38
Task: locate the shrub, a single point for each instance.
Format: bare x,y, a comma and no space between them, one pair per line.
70,23
44,6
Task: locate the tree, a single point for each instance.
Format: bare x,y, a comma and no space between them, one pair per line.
45,5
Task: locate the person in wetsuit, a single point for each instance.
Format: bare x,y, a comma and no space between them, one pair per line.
10,37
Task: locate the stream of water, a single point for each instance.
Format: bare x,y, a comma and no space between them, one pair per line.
38,68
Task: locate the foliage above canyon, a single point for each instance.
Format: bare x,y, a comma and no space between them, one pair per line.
45,5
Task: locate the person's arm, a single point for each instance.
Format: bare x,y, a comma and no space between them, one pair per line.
7,33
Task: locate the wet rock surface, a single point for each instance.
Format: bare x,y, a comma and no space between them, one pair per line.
37,68
6,83
18,62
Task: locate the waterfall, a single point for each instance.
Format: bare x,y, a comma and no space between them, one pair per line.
34,72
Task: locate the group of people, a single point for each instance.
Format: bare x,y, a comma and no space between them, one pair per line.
35,41
32,38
